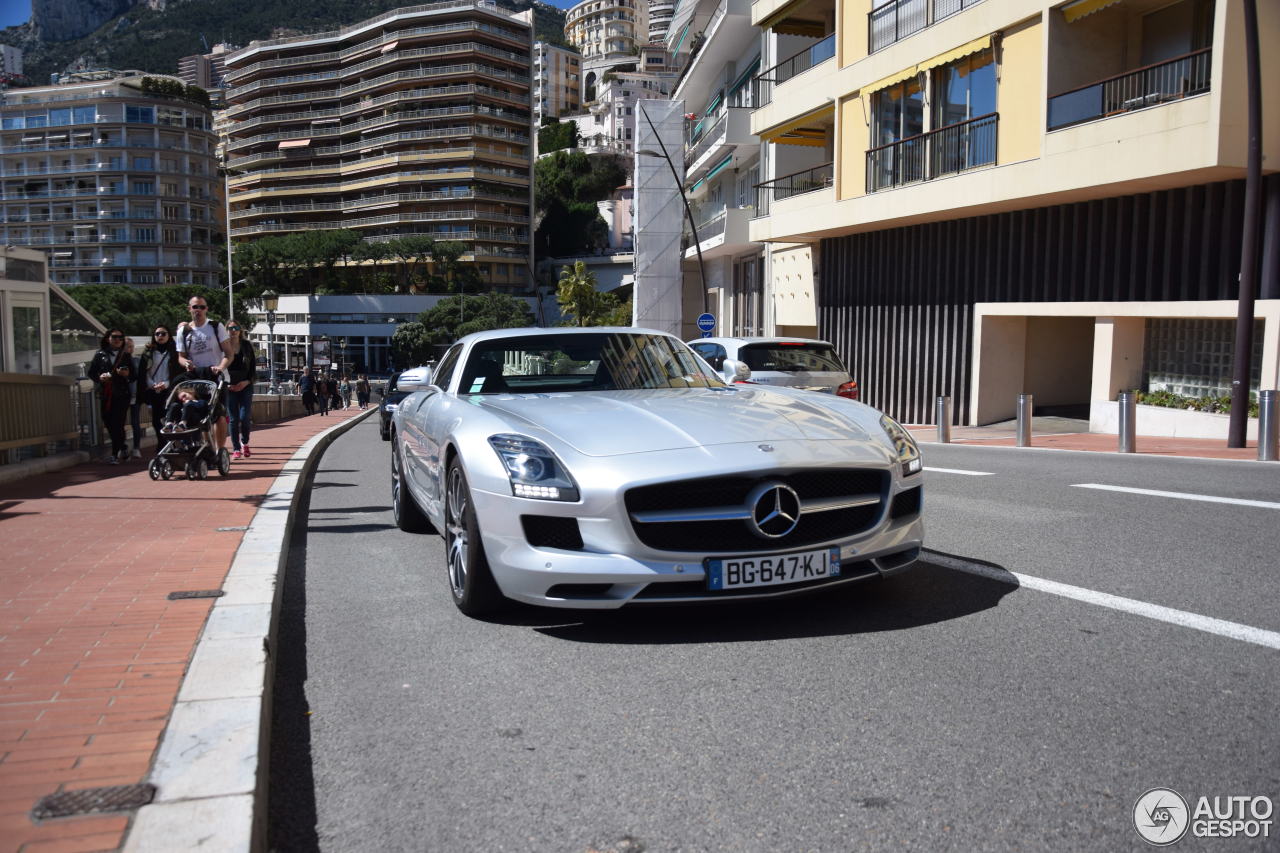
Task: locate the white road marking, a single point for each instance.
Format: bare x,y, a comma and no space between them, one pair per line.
960,471
1208,624
1186,496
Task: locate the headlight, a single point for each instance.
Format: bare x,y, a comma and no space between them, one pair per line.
390,407
904,444
534,470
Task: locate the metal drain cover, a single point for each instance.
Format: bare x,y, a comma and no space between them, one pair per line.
196,593
232,529
116,798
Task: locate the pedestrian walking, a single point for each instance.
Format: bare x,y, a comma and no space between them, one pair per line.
158,368
344,389
135,400
241,372
362,391
203,343
112,369
322,395
307,386
335,398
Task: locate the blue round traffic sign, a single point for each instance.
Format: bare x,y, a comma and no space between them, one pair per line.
706,322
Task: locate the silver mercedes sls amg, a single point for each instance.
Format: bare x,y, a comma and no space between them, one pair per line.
603,467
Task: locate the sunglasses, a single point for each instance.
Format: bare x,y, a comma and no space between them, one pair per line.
161,335
199,307
233,328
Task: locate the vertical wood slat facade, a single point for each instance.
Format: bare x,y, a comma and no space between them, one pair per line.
898,303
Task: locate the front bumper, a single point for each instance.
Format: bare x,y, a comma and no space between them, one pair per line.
603,579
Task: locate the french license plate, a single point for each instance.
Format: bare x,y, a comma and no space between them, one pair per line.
773,570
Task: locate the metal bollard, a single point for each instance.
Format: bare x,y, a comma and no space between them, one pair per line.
1128,405
1268,427
942,414
1024,420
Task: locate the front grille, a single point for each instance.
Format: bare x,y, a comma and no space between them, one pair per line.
579,590
552,531
906,503
736,536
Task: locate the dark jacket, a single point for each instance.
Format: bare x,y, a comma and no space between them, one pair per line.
144,367
307,384
244,365
115,389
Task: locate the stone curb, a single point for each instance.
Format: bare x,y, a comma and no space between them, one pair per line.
210,770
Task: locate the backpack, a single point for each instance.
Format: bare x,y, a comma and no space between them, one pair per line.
188,330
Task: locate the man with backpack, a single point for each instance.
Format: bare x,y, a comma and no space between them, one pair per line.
205,343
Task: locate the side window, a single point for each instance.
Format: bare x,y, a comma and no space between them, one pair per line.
713,353
444,371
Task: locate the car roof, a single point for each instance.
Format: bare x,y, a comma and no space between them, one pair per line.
530,331
748,339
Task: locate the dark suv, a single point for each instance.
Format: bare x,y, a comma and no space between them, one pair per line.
391,397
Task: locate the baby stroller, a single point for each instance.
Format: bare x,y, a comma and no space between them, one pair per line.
191,445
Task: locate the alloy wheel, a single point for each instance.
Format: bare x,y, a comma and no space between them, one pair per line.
457,530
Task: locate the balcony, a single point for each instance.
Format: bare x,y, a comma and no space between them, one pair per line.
733,128
814,54
788,186
898,19
1161,83
925,156
722,234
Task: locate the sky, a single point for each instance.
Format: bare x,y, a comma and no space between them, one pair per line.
14,12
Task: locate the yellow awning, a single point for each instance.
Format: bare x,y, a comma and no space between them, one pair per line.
772,134
941,59
1073,12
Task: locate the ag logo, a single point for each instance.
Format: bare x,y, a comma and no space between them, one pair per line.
1161,816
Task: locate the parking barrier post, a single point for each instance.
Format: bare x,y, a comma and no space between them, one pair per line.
1024,419
1268,427
942,414
1128,405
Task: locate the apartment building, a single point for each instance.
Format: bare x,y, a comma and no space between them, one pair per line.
10,60
609,34
721,160
1010,196
114,184
415,121
205,70
557,81
660,14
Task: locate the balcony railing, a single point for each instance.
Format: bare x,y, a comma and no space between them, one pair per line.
898,19
797,183
812,55
926,156
1172,80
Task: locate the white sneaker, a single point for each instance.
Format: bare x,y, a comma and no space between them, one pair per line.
110,460
136,454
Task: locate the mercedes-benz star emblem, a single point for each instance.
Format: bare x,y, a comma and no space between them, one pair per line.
775,510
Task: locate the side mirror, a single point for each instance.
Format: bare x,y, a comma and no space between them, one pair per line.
734,371
414,380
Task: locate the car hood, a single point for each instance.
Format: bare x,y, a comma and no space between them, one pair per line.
610,423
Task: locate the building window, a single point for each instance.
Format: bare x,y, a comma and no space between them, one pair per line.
143,188
139,115
964,89
144,235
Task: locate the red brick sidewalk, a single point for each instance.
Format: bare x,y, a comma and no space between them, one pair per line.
92,652
1144,445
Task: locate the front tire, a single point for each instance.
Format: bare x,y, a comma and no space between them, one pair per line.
404,509
470,581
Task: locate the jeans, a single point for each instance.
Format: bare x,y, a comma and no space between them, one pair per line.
114,414
240,414
135,412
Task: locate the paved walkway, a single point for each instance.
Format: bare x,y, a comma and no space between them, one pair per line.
1070,434
92,652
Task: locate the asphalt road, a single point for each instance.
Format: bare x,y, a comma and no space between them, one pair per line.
939,710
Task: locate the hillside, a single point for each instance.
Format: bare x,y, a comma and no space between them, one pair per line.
154,40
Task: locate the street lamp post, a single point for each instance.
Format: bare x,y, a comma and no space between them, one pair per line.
270,300
693,226
342,365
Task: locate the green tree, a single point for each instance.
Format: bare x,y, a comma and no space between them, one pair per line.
555,135
414,251
584,305
411,345
566,189
137,311
455,316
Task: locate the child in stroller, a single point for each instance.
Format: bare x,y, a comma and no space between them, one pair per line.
187,435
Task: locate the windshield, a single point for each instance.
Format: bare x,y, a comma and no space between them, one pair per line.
605,361
791,358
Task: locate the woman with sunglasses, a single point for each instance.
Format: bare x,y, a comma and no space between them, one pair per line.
112,369
158,367
241,372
